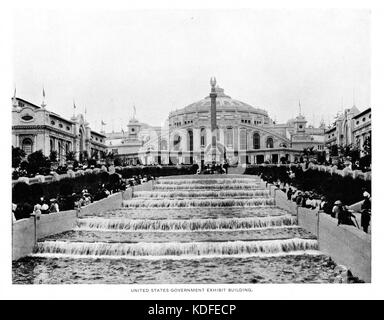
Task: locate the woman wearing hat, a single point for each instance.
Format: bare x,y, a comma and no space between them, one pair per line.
366,211
336,210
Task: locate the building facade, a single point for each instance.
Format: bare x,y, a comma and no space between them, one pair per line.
351,128
243,134
127,145
362,129
36,128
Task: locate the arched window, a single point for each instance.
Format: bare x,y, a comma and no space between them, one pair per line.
163,145
243,139
67,147
176,142
229,137
269,143
190,140
27,146
52,144
60,150
256,140
203,137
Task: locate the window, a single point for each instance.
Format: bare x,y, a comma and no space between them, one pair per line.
27,146
256,140
52,144
190,140
176,142
363,119
243,139
269,143
357,122
53,123
68,128
163,145
229,137
203,137
115,151
60,125
27,117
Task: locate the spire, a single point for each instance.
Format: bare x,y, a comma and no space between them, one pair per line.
299,108
14,101
74,108
43,104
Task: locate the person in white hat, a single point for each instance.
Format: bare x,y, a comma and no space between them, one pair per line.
366,211
336,209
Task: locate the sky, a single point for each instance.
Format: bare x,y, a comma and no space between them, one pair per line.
161,60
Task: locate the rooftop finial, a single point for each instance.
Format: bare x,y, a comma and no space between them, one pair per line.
299,108
43,104
213,82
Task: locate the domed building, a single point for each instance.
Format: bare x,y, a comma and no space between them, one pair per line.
243,135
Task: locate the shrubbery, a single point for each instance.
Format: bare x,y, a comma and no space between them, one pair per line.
157,171
26,196
333,187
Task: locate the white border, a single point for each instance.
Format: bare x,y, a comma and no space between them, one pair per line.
358,291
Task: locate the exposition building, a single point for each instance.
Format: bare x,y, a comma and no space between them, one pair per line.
36,128
242,134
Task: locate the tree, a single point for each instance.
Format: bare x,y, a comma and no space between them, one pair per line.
95,155
367,146
17,156
70,156
334,150
110,157
53,156
117,162
83,156
36,161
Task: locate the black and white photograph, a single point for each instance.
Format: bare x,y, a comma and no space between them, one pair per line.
197,146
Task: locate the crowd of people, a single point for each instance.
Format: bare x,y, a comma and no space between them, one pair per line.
74,200
343,213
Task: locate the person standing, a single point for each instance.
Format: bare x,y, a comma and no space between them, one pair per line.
366,211
289,193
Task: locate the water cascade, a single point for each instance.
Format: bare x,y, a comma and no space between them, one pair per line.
196,202
202,194
174,249
186,218
185,225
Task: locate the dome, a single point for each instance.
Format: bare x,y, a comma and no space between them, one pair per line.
223,103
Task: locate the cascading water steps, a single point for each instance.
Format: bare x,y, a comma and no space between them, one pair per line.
241,235
174,249
184,224
188,229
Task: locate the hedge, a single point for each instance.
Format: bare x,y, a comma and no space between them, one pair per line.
26,196
333,187
157,171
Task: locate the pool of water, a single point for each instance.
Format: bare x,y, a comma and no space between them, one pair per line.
285,269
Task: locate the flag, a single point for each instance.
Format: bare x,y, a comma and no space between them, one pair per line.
14,93
122,130
74,105
103,123
43,92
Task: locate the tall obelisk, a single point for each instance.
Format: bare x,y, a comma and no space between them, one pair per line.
213,96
